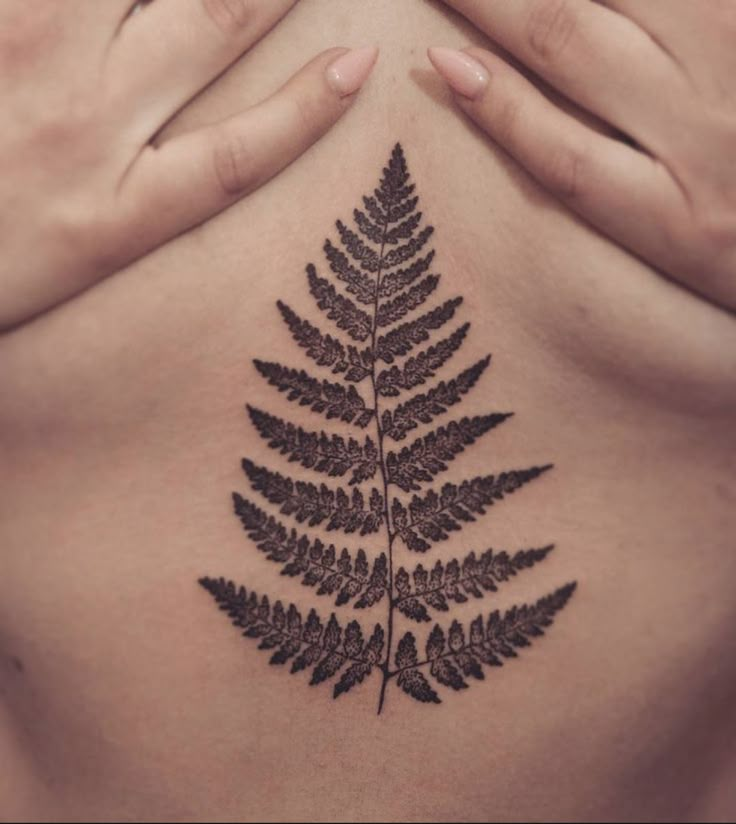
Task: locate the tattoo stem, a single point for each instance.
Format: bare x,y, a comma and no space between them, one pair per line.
381,462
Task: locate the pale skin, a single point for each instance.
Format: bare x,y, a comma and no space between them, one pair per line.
87,85
122,426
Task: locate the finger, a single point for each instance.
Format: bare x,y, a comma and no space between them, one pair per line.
651,11
194,176
614,187
592,55
669,22
173,48
684,29
79,14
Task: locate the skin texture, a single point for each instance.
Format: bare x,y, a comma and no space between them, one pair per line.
90,190
122,425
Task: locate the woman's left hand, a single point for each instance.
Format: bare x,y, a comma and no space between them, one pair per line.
660,72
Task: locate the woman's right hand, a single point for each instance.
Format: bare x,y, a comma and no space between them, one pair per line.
85,86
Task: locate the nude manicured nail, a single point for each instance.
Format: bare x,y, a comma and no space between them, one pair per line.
464,73
348,73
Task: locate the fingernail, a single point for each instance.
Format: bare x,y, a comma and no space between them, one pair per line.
348,73
464,73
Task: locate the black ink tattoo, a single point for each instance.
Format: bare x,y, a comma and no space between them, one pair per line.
384,267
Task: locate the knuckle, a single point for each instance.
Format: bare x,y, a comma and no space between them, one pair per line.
26,34
565,172
234,163
550,26
230,16
69,126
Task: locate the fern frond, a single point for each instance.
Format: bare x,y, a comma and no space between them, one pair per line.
433,516
456,580
309,644
341,310
399,279
413,683
331,454
366,257
428,456
360,364
402,339
323,349
371,228
332,573
405,230
400,306
376,212
377,293
411,680
452,657
394,188
358,283
419,368
333,400
401,254
317,504
423,408
390,213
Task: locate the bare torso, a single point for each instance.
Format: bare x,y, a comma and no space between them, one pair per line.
126,696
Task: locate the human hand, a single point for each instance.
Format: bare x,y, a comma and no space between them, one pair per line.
85,86
660,72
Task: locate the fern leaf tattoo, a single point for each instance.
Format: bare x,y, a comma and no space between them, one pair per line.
458,580
333,400
319,566
452,657
433,516
325,648
379,359
430,455
333,455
